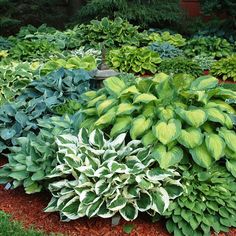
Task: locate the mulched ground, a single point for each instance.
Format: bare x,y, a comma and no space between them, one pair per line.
28,209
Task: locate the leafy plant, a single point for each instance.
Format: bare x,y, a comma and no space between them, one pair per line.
205,62
70,108
86,62
102,177
14,77
208,203
5,44
176,40
133,59
33,157
180,65
109,33
180,116
166,50
225,68
210,46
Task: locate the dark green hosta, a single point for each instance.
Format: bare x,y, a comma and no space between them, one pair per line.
102,177
208,203
34,156
177,115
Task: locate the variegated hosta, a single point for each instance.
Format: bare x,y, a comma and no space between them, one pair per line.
178,115
102,177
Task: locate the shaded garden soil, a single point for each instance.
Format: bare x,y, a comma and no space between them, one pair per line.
28,209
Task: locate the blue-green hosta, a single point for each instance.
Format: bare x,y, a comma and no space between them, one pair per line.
102,177
34,156
179,116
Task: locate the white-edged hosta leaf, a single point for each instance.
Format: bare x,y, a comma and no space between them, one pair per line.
129,212
230,138
157,174
204,82
116,167
149,138
167,158
167,132
125,109
102,186
114,86
103,106
117,203
104,212
87,197
117,142
160,200
139,126
194,117
174,188
231,167
201,156
121,125
145,98
52,205
190,137
96,138
215,145
93,209
83,136
144,202
71,208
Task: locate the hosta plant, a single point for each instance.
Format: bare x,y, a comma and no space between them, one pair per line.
210,46
102,177
166,50
5,44
133,59
179,116
207,204
33,157
225,68
173,39
180,65
69,107
205,62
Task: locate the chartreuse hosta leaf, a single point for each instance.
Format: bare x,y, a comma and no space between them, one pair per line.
114,86
190,137
105,177
222,105
166,113
125,109
215,145
102,107
139,126
167,132
229,137
149,138
194,117
204,82
107,118
145,98
122,124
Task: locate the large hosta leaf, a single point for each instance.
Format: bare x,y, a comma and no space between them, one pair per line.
230,138
160,200
167,158
125,109
190,137
102,107
215,145
204,82
145,98
201,156
117,203
195,117
122,124
144,202
231,167
129,212
114,86
149,138
107,118
139,126
167,132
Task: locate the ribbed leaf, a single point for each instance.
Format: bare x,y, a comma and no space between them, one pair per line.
139,126
230,138
107,118
125,109
114,86
102,107
231,167
204,82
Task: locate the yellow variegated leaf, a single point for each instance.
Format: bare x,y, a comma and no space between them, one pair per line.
88,123
230,138
167,131
94,101
139,126
105,105
125,108
145,98
121,125
149,139
89,95
201,156
215,115
160,77
190,137
90,111
114,86
204,82
221,105
194,117
130,90
165,113
215,145
149,110
107,118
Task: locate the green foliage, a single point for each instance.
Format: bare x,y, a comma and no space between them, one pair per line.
209,46
208,203
180,65
86,63
70,108
141,12
5,44
225,68
205,62
107,177
110,33
180,116
14,77
33,157
176,40
133,59
166,50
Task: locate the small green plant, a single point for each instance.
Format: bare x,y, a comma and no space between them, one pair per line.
209,46
133,59
225,68
205,62
180,65
70,108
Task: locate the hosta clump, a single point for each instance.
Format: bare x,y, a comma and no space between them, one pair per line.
102,177
133,59
205,62
210,46
225,68
70,107
166,50
180,65
5,44
178,116
14,77
33,157
207,204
